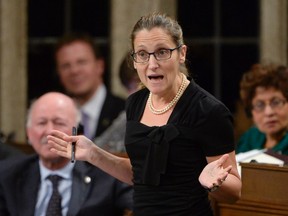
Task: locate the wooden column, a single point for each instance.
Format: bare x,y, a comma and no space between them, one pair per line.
13,76
273,34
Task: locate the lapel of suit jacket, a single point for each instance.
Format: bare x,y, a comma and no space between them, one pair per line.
27,190
80,187
105,115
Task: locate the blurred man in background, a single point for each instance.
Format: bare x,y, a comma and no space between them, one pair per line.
29,184
81,68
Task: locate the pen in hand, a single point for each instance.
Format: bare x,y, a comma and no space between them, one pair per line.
74,133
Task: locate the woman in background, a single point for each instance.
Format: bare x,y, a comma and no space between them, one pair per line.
264,93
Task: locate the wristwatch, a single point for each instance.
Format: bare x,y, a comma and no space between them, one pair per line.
214,188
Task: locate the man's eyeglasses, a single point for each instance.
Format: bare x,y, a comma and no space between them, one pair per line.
161,54
275,104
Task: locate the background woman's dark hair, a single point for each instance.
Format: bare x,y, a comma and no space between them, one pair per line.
266,76
126,71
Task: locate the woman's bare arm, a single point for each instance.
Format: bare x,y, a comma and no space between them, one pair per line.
86,150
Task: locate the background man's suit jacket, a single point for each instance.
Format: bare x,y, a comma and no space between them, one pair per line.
111,109
102,196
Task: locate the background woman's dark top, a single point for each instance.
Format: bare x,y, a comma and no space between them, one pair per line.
168,160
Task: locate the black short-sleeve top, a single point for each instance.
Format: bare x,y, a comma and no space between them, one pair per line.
168,160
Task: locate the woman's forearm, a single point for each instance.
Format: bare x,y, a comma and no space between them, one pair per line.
118,167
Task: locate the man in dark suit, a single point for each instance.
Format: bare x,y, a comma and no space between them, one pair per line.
7,151
81,68
25,187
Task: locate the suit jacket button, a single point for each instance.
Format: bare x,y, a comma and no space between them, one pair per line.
87,179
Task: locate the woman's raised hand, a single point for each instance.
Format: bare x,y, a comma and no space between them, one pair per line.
61,144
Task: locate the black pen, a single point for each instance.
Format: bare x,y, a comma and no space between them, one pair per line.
74,133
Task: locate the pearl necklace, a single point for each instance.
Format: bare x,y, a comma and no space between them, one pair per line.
181,90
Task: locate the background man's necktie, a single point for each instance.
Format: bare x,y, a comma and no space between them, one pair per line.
54,206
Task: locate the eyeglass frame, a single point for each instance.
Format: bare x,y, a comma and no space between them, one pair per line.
277,106
133,54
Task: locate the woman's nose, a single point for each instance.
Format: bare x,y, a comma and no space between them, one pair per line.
268,109
153,62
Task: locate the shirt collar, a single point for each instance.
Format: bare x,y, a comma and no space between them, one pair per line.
95,102
65,172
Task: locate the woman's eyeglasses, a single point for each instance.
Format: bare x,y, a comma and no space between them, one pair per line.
275,104
161,54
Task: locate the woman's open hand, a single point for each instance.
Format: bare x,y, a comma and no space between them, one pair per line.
214,173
